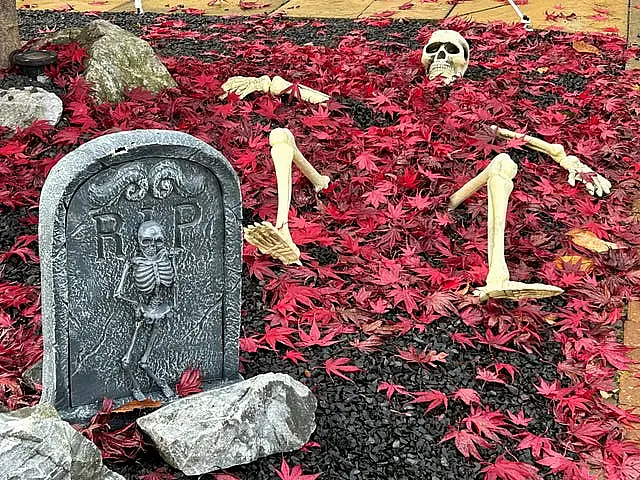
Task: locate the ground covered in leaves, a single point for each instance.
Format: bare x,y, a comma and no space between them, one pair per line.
414,378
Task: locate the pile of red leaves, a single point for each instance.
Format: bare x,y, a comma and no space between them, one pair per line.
384,217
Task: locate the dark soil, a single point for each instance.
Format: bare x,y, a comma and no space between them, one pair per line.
14,269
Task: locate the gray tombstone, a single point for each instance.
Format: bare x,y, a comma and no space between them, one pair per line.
140,245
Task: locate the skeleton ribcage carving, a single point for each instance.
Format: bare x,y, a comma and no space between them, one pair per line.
151,273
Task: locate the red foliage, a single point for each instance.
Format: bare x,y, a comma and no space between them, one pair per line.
190,382
120,445
402,260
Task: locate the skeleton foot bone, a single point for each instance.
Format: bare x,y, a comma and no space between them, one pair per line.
243,86
498,177
578,171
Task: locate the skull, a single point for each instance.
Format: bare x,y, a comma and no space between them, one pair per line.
446,55
150,238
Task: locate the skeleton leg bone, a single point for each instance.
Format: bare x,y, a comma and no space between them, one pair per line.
144,362
595,184
284,136
126,365
498,176
276,240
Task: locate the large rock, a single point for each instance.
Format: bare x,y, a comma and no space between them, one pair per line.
20,107
118,60
234,424
36,445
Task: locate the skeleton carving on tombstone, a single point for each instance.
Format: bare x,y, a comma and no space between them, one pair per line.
446,55
153,276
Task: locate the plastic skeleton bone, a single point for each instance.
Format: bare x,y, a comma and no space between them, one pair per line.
276,240
243,86
595,183
498,177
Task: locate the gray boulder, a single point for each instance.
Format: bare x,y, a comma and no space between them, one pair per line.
20,107
36,445
234,424
118,60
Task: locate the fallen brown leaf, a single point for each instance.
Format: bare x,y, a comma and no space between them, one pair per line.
138,405
585,238
583,47
584,264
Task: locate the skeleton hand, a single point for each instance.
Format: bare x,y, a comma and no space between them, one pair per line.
595,183
243,86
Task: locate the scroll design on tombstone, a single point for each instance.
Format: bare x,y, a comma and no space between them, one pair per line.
154,277
134,182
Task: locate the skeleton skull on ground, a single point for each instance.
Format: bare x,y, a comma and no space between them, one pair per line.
446,55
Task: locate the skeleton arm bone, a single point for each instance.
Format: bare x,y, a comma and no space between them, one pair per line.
120,290
243,86
595,183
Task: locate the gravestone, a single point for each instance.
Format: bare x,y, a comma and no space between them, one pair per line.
140,245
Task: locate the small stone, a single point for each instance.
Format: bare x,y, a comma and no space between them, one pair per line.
21,107
35,444
234,424
32,376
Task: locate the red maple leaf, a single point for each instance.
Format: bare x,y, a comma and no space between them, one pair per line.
295,473
430,358
314,337
548,390
463,339
190,382
338,366
536,443
295,356
467,395
503,469
435,398
488,376
519,419
486,422
467,442
275,335
367,345
391,388
498,341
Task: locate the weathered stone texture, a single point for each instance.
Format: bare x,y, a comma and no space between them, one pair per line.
233,425
91,208
118,60
21,107
36,445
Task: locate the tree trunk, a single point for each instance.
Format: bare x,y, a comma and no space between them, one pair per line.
9,32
